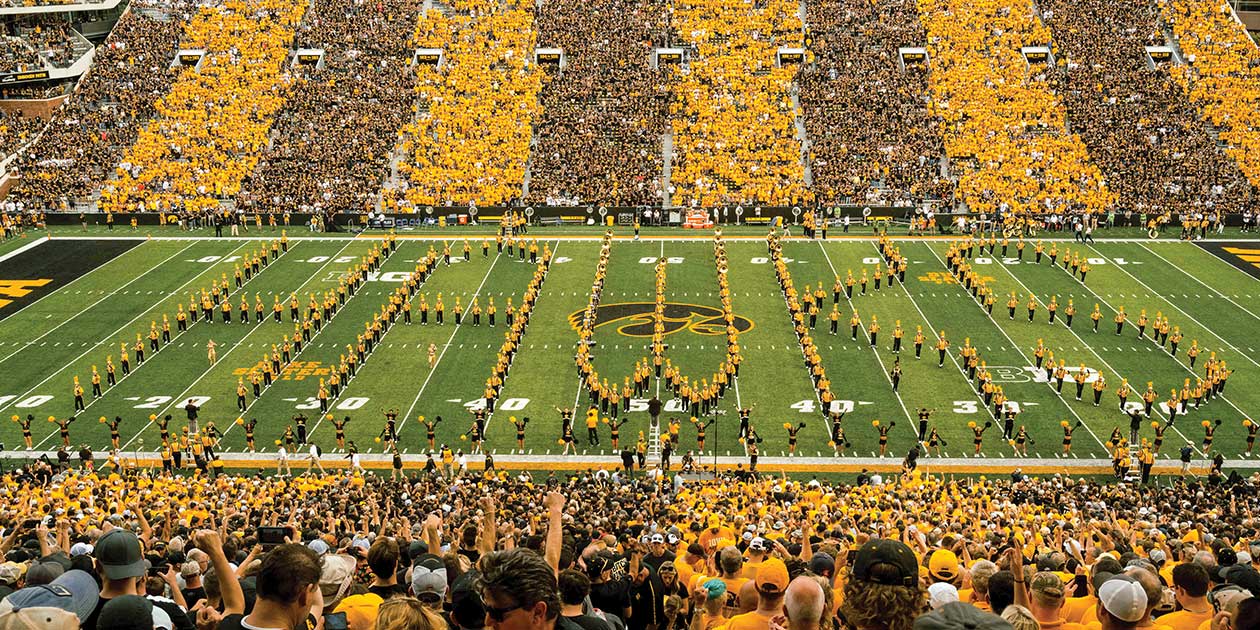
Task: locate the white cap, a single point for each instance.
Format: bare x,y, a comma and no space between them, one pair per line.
942,593
1123,597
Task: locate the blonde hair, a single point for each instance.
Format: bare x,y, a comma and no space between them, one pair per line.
407,613
1020,618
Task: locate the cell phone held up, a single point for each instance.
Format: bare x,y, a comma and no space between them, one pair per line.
270,537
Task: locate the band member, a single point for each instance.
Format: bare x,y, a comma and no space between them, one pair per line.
942,346
895,374
918,342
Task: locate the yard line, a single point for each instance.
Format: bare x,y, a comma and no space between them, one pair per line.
111,337
93,304
1095,352
346,386
1231,346
874,350
1196,279
446,346
160,349
30,245
1014,345
182,396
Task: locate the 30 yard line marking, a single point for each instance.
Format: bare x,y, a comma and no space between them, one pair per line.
1027,361
109,338
93,304
446,346
1082,340
181,397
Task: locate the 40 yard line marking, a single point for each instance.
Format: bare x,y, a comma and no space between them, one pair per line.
109,338
90,306
446,346
239,344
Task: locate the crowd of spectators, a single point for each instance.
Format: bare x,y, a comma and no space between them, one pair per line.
1223,75
867,120
1141,129
1004,128
734,132
16,129
605,551
17,55
212,125
470,140
56,43
90,131
600,132
331,143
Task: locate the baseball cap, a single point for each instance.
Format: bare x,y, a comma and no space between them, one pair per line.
1158,556
318,546
597,564
772,576
942,593
757,544
881,551
428,576
1123,597
11,571
658,538
467,609
960,616
942,565
335,577
119,555
38,619
43,573
1047,585
75,592
822,563
715,587
80,549
128,612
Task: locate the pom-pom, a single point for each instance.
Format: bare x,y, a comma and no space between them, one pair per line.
278,441
463,437
787,425
1246,423
971,425
240,421
1064,424
1154,425
101,420
378,440
1206,424
831,444
559,441
875,423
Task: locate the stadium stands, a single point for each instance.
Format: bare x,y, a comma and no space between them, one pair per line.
599,133
89,133
868,121
16,130
1141,129
733,120
17,55
470,140
1223,78
1004,130
213,123
330,146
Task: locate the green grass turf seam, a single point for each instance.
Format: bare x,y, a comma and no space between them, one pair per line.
1208,286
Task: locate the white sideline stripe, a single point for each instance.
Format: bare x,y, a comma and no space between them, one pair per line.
35,243
596,239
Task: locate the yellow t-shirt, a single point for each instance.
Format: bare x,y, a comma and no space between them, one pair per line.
1185,620
748,621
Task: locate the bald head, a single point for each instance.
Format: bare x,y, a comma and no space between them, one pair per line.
749,599
804,603
1150,584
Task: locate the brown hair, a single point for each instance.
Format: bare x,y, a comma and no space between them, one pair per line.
407,613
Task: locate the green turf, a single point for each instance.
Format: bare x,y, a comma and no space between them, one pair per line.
75,327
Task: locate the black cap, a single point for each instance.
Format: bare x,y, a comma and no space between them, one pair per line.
890,552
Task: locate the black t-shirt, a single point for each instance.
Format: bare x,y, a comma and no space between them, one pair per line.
178,617
236,622
656,561
387,592
588,622
193,595
612,597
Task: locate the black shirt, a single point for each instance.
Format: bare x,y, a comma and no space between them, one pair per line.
588,622
612,597
193,595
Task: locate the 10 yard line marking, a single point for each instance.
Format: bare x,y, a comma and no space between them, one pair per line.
90,306
111,336
446,346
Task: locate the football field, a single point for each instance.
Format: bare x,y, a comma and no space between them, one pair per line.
69,302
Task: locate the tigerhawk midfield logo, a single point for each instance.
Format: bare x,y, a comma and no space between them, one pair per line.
634,319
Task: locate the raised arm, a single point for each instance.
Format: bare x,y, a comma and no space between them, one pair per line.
233,598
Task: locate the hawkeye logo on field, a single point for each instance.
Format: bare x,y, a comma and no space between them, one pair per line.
19,289
634,319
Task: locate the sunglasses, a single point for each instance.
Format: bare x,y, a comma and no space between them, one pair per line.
499,614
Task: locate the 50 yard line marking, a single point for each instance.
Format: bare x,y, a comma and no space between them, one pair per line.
111,337
93,304
238,344
445,347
